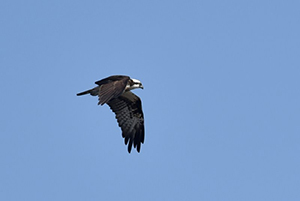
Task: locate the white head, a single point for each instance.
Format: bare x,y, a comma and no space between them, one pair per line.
134,84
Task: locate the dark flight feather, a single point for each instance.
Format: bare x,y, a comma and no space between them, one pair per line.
130,117
111,90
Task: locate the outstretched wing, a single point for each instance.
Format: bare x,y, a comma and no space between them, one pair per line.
128,110
111,88
112,79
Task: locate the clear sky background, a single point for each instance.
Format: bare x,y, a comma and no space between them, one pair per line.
221,100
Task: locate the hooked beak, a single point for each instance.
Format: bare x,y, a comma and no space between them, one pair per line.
141,86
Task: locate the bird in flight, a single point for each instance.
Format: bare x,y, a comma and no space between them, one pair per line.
115,91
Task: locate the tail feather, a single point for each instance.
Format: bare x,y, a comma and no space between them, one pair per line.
84,92
93,92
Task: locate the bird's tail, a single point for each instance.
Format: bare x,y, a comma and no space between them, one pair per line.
83,93
93,92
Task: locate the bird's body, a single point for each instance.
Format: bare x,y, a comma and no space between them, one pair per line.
115,91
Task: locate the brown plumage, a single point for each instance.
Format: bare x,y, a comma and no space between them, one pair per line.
115,91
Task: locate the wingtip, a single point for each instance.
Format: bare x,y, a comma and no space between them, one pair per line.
129,149
138,148
129,146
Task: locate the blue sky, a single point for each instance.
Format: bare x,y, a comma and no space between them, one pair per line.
221,100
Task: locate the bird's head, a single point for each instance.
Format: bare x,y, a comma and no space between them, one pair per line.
134,84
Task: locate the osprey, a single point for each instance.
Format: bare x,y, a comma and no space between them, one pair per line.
115,92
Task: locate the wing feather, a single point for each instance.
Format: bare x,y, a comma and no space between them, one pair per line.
112,79
130,117
111,90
